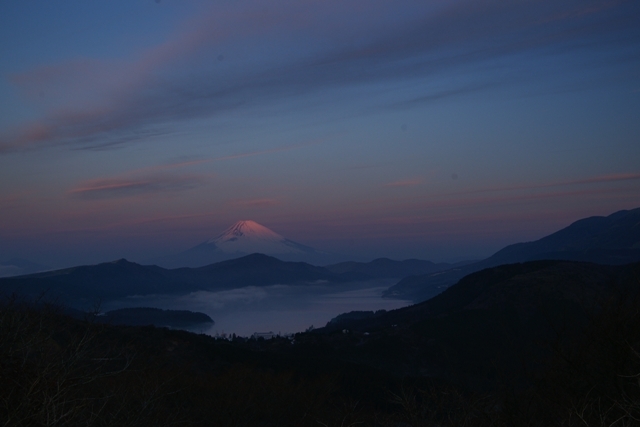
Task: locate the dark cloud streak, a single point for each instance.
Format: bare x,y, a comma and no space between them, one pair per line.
107,188
418,46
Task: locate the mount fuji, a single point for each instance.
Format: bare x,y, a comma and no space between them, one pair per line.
244,238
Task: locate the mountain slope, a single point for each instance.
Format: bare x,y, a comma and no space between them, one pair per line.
244,238
491,326
85,285
259,270
612,240
17,267
387,268
250,237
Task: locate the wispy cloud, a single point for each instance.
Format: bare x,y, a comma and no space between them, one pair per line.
326,44
437,95
123,187
261,152
165,178
605,178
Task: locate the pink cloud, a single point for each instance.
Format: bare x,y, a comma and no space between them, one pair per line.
108,185
159,178
188,163
128,187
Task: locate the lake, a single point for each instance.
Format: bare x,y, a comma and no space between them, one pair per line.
280,308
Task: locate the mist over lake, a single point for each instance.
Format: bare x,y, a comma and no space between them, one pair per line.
278,308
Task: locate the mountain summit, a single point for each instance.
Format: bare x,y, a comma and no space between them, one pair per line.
244,238
249,229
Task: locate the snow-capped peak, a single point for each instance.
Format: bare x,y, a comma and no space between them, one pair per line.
247,237
247,230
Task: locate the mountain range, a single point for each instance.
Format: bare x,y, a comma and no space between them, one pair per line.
83,286
245,238
388,268
117,279
614,240
611,240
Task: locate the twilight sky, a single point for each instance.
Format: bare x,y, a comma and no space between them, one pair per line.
402,128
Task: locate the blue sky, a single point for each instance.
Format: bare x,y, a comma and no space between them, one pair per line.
434,129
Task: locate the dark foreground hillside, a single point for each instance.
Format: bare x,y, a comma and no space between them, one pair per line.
492,327
59,371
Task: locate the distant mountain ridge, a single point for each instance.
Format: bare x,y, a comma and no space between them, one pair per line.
244,238
19,266
388,268
612,240
260,270
84,285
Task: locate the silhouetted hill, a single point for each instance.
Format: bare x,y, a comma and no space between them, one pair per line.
245,238
97,374
19,266
85,285
387,268
142,316
345,318
544,343
611,240
491,326
259,270
614,239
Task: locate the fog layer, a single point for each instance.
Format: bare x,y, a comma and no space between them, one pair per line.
279,308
